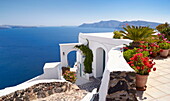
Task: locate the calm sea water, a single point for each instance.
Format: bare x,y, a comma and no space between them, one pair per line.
24,51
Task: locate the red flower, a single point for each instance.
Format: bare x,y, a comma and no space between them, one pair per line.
143,68
161,50
142,41
132,64
138,67
141,64
154,69
149,70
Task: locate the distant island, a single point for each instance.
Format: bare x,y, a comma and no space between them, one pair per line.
15,26
119,24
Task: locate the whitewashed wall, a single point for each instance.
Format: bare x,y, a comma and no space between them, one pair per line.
100,40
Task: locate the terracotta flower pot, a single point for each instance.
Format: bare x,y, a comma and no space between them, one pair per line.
164,53
169,52
141,81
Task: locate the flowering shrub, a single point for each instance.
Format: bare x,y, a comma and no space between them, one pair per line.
162,37
154,49
131,52
70,76
142,65
164,45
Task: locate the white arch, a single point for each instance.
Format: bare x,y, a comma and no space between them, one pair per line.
97,54
70,58
64,50
100,61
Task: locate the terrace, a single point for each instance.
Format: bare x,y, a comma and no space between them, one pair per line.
158,85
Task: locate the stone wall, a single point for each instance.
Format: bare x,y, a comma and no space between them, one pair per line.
121,87
40,90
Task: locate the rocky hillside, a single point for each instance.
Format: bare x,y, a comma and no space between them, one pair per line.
54,91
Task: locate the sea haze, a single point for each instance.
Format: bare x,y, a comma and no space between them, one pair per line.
24,51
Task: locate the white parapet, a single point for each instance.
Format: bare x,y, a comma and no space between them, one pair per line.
52,70
116,62
52,73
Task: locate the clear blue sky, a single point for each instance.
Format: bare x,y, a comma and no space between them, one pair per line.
76,12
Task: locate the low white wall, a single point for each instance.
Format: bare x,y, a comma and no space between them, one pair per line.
52,73
116,62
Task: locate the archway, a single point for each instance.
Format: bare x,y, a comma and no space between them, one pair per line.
71,58
100,61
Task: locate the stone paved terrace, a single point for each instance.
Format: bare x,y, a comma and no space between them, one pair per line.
158,84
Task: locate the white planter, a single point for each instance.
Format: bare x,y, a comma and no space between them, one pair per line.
87,76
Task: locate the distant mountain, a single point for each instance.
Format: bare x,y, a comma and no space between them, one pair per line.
119,24
14,26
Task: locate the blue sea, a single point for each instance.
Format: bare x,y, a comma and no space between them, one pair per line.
24,51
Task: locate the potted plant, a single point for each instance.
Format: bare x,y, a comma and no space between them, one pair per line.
154,49
142,65
70,76
164,46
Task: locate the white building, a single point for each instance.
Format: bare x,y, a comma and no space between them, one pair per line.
99,43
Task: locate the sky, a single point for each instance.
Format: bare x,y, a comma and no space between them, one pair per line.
76,12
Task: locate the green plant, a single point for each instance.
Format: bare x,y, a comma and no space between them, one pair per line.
164,45
131,52
162,26
117,35
141,64
128,54
88,57
166,32
70,76
137,33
